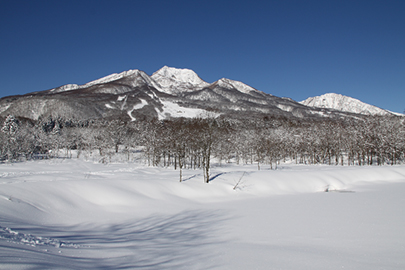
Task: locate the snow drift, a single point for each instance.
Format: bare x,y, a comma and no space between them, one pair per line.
72,214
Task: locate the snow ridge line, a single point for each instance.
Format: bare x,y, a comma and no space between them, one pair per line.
16,174
32,240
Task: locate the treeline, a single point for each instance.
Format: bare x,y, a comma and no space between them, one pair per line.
194,143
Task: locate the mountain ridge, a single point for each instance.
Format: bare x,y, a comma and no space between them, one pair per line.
343,103
167,93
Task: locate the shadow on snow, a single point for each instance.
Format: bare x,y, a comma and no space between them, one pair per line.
156,242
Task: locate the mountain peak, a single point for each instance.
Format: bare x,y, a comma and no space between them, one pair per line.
177,80
106,79
343,103
240,86
178,74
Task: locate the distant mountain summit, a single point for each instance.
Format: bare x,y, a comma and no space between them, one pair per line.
343,103
231,84
168,93
176,81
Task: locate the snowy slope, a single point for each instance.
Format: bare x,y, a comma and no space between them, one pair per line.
175,80
167,79
231,84
343,103
118,95
75,214
106,79
171,109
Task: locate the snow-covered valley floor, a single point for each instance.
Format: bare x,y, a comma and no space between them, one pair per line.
73,214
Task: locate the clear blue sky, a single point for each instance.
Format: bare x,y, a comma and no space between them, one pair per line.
287,48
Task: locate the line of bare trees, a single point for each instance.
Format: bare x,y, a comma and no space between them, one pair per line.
194,143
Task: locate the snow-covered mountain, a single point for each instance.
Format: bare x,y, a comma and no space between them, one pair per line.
240,86
137,78
343,103
170,92
177,81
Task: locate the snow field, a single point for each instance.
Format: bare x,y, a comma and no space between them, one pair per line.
73,214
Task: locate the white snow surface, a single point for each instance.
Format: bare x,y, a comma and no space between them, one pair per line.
177,80
77,214
343,103
240,86
112,77
171,109
106,79
67,87
4,107
121,98
285,107
137,107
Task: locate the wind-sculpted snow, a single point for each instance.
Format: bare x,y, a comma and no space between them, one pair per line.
76,214
156,242
31,240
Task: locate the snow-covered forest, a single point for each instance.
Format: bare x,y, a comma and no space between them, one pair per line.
193,142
